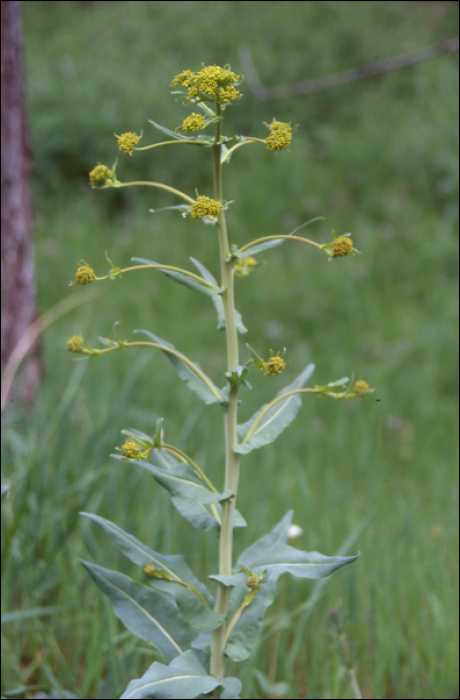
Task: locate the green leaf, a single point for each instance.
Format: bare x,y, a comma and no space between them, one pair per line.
191,596
191,373
279,535
201,140
217,301
257,248
237,376
269,421
147,613
272,556
184,678
189,494
282,559
209,289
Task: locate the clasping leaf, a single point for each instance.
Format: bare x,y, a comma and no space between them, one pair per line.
271,420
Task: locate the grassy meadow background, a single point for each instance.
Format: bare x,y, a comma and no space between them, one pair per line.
377,158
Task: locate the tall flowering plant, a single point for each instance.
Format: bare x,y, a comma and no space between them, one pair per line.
195,626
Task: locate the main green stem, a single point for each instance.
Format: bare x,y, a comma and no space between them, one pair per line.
232,459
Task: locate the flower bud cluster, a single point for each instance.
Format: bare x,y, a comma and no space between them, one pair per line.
127,141
280,136
194,122
245,266
205,206
211,84
102,175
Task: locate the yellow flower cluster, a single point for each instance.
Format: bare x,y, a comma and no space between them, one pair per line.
212,83
342,246
194,122
275,365
126,142
245,266
84,275
280,136
131,450
102,175
205,206
75,344
361,388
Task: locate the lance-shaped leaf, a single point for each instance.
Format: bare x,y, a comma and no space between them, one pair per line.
252,250
184,678
204,286
270,420
217,301
147,613
175,578
278,560
282,559
188,371
201,140
189,494
263,245
271,556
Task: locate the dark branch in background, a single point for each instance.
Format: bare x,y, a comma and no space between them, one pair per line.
307,87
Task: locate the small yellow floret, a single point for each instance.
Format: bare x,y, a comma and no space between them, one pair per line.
280,125
205,206
228,94
194,122
275,365
361,387
131,450
245,266
102,175
343,245
84,275
75,344
127,141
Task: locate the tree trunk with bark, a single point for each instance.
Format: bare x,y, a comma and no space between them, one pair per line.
17,264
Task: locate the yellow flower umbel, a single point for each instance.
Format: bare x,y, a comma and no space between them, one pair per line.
194,122
102,175
205,207
84,275
127,141
245,266
211,84
280,136
75,344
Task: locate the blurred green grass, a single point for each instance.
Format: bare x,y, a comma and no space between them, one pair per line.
377,158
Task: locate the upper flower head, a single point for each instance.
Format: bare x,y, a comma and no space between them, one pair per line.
102,175
194,122
205,206
211,83
126,142
84,275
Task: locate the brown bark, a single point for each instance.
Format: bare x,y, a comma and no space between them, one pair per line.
17,264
